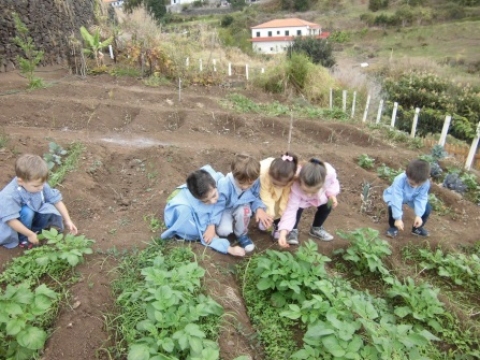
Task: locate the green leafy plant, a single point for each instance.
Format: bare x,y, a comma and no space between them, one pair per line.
366,251
22,313
54,155
32,58
437,204
153,223
94,44
58,254
69,163
366,161
388,173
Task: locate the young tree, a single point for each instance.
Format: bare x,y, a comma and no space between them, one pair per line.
93,43
318,50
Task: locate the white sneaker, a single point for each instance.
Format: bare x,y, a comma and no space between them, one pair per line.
292,238
321,233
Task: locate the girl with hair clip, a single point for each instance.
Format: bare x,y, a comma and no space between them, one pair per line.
316,185
276,178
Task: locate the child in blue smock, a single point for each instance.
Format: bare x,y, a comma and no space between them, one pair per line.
189,212
411,188
28,205
239,198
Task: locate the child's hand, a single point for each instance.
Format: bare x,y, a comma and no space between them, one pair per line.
333,201
264,219
282,239
399,224
209,234
33,238
417,222
71,227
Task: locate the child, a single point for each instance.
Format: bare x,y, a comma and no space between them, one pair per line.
28,205
239,196
276,178
189,212
411,188
317,185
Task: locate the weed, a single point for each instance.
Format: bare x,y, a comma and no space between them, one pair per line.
365,161
4,139
154,224
156,80
437,205
32,56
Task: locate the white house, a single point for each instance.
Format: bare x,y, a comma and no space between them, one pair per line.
276,36
114,3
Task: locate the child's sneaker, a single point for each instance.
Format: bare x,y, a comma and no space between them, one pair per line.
245,242
27,245
392,232
292,238
420,231
321,233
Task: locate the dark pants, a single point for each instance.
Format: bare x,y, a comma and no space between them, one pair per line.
37,222
320,216
426,214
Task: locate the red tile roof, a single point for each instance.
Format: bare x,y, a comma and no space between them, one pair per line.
292,22
323,35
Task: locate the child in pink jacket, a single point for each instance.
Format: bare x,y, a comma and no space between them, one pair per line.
316,185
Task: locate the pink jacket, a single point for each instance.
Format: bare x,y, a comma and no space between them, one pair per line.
298,199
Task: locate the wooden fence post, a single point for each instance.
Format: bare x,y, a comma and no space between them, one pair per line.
443,135
201,65
366,109
353,104
187,62
263,71
246,71
229,69
344,100
473,149
179,89
331,98
414,123
394,115
379,113
214,65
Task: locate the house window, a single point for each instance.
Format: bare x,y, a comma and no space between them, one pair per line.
269,33
271,49
278,32
299,32
287,33
258,33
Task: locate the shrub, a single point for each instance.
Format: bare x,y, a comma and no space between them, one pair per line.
319,51
375,5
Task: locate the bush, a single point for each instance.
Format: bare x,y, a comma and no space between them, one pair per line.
375,5
319,51
226,21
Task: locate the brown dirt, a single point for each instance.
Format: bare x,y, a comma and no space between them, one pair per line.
140,143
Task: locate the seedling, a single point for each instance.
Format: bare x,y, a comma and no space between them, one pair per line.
54,155
365,161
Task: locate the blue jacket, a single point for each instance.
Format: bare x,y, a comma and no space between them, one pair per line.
187,216
13,197
400,192
230,196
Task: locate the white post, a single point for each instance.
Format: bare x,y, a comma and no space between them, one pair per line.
394,114
187,62
379,113
473,150
353,103
263,71
201,65
229,69
179,89
110,48
331,98
290,130
366,109
344,100
246,71
415,122
443,135
214,65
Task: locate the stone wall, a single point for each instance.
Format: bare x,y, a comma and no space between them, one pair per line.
50,22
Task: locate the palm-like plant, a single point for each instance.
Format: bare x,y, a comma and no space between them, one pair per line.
93,43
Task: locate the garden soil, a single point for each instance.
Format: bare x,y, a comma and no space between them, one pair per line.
141,142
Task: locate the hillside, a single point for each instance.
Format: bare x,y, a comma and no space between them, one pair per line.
140,143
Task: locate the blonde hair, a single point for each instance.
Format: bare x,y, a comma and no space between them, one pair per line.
30,167
245,169
313,173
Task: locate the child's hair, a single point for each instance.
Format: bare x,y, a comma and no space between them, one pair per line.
284,167
245,169
200,182
313,173
418,171
30,167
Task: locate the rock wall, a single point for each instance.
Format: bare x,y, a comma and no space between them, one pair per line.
51,23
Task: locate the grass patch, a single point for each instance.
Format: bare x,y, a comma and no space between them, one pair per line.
68,164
